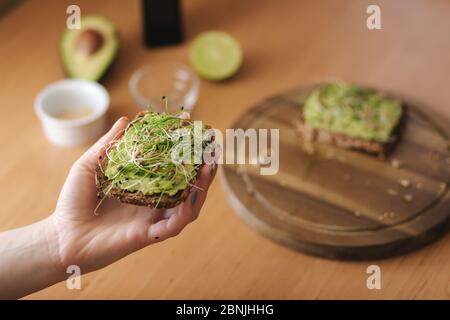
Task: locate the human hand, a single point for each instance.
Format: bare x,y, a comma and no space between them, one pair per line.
94,241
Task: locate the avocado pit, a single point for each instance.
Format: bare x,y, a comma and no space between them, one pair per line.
89,42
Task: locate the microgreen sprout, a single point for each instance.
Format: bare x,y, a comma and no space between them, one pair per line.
141,160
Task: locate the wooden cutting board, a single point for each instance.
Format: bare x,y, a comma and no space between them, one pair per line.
340,203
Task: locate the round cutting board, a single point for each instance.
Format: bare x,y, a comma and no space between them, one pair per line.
340,203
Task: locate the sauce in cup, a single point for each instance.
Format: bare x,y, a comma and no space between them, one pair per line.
74,113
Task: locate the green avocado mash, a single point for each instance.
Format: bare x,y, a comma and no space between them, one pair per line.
141,160
353,111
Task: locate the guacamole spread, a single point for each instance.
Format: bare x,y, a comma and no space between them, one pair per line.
141,160
351,110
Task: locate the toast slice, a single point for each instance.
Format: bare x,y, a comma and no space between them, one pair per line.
113,187
157,201
351,117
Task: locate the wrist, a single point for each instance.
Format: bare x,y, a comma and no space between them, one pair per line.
49,237
29,253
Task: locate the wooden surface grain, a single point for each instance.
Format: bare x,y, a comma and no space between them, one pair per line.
286,44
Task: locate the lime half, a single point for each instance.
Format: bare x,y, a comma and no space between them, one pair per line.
215,55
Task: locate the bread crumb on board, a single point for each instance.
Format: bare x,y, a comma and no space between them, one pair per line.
408,197
405,183
392,192
396,163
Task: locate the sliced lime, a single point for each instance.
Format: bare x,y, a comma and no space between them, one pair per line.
215,55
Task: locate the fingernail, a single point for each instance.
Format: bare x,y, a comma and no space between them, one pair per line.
185,115
194,197
151,233
119,121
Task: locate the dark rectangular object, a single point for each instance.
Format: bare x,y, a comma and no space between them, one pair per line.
161,23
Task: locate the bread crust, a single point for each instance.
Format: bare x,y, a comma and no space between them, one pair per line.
138,198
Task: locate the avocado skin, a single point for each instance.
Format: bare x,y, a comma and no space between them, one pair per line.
104,58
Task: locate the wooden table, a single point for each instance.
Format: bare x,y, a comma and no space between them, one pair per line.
286,43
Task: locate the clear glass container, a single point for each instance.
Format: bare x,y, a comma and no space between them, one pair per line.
175,81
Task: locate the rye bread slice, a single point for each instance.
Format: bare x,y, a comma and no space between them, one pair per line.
344,141
137,198
156,201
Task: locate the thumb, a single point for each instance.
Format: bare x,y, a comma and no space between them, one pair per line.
90,157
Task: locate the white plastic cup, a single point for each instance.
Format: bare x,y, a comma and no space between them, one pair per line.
67,94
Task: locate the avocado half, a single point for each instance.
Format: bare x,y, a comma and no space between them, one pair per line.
88,52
